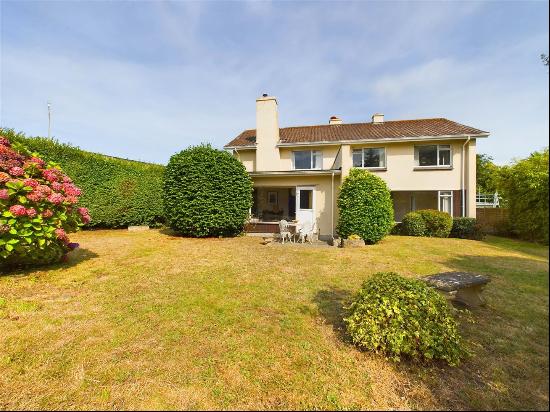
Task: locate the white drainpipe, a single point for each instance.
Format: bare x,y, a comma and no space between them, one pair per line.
463,182
332,208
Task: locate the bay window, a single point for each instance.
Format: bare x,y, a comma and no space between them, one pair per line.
307,159
433,155
371,157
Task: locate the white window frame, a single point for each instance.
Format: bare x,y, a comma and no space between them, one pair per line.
439,196
312,152
417,156
363,158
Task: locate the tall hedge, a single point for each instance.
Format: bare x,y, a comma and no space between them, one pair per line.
525,185
365,207
207,192
117,192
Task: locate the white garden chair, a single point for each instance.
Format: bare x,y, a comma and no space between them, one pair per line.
306,232
284,230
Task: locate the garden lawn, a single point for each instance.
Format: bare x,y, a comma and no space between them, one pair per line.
148,320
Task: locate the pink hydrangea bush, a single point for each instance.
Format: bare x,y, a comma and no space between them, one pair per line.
38,208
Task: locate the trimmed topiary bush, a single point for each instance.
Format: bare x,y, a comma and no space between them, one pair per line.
117,192
413,225
466,228
402,317
365,207
438,224
207,192
37,208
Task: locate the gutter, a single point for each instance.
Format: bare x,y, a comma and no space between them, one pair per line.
463,180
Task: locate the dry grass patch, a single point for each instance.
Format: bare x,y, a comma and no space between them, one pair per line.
147,320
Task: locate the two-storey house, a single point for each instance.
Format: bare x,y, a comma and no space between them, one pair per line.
297,171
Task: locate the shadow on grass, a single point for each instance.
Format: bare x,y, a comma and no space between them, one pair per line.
74,258
330,304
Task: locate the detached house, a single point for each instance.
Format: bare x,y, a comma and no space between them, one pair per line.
297,171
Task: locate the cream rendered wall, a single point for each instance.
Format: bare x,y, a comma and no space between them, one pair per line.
267,134
247,158
400,173
325,210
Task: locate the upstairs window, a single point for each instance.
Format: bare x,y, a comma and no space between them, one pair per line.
433,155
372,157
307,159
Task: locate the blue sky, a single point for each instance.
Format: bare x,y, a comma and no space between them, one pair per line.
144,80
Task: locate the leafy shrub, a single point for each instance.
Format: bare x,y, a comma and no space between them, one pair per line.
117,192
403,317
525,186
365,207
438,224
37,206
207,192
397,228
413,225
466,228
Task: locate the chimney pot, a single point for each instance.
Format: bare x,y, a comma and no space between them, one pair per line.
334,120
378,118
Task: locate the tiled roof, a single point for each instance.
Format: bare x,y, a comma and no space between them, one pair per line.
393,129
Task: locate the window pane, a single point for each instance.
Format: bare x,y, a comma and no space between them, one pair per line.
427,155
302,159
445,202
357,158
374,157
305,199
317,159
444,156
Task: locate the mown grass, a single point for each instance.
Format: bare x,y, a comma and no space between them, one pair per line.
149,320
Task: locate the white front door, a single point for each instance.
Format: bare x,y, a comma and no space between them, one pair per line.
305,204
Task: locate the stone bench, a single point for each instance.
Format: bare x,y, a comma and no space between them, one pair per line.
463,287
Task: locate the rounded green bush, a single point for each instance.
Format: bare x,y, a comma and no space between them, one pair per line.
438,224
207,192
413,225
365,207
466,228
402,317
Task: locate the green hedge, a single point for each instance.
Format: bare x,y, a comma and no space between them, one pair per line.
365,207
207,192
117,192
466,228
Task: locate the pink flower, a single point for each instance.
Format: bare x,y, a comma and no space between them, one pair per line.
4,177
31,182
18,210
71,199
47,213
44,190
86,219
83,211
4,141
55,198
4,194
61,235
51,175
67,179
31,212
71,189
16,171
57,186
35,196
37,161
